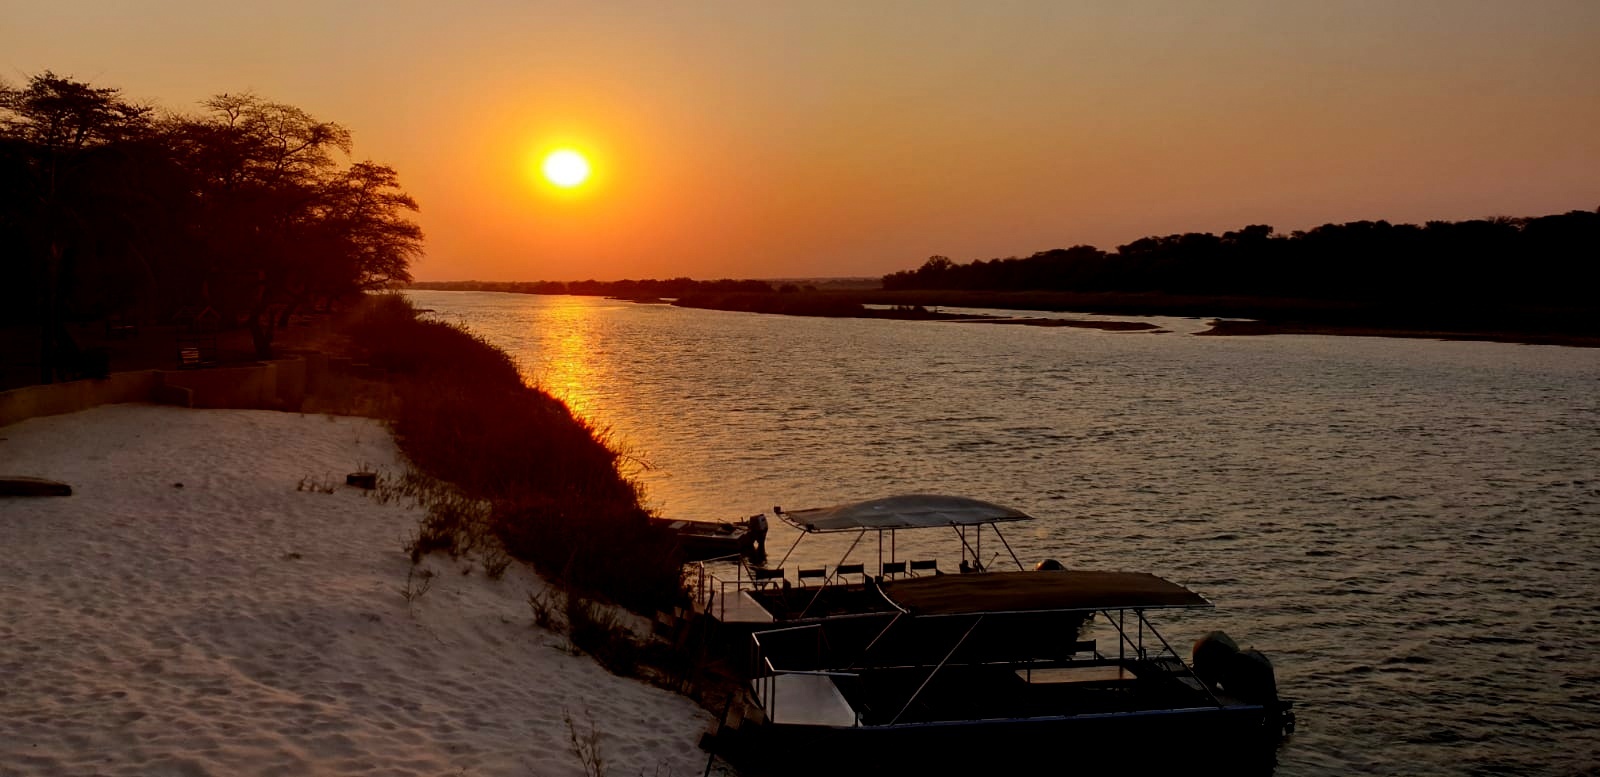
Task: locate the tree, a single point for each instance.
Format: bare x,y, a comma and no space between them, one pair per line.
249,207
62,142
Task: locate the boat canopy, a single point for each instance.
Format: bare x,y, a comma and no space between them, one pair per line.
912,511
1054,591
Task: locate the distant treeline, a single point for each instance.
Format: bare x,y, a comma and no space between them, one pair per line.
627,289
243,213
1547,260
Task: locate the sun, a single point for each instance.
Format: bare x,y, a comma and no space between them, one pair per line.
565,168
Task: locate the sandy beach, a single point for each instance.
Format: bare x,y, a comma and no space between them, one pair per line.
192,609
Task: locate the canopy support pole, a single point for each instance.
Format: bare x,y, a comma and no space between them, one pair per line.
870,645
936,669
830,575
1003,541
966,548
791,549
1186,667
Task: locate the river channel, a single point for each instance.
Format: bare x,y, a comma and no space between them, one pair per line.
1410,529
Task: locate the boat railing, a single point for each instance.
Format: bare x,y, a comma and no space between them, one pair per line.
1154,652
711,590
808,639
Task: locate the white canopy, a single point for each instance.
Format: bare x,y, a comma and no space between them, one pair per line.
912,511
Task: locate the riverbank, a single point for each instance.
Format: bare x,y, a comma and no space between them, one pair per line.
1235,328
1230,315
492,468
213,599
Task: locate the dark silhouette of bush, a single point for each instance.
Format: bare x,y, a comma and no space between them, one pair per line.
559,497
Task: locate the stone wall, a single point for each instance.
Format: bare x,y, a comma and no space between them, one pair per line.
274,385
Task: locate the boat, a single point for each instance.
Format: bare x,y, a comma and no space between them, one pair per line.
749,597
990,672
707,540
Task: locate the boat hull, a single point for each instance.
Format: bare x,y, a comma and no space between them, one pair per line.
1244,738
704,540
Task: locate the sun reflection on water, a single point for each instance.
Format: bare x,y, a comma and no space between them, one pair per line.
568,367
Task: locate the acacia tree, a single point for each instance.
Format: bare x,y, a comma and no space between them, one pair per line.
250,207
65,151
290,225
363,237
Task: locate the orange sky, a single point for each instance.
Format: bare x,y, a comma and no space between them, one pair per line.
745,139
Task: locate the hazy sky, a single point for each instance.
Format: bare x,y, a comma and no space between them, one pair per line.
765,139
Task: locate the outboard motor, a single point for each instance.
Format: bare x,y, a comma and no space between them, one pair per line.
1250,677
1213,655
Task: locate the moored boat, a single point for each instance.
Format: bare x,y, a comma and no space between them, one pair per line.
744,597
706,540
989,672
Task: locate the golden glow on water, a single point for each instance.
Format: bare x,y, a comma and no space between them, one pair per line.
568,367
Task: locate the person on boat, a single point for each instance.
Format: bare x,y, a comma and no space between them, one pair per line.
758,532
965,567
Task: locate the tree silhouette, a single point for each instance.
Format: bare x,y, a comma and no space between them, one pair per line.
247,207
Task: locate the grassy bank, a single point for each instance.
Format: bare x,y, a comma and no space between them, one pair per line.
555,491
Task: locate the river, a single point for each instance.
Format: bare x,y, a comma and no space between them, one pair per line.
1410,529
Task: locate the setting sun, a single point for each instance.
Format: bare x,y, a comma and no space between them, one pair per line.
565,168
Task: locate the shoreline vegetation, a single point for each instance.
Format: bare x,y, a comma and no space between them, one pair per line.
1520,280
551,487
507,471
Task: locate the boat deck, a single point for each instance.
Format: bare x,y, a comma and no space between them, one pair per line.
809,700
740,607
997,691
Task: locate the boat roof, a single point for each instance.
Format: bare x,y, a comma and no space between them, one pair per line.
1051,591
910,511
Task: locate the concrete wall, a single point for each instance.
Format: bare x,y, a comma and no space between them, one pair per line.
275,385
55,398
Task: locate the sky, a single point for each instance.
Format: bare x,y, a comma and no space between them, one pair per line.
855,138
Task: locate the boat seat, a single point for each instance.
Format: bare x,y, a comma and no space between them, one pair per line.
894,568
851,569
820,573
762,577
926,565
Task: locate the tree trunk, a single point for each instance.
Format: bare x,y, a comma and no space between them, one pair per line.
261,331
50,318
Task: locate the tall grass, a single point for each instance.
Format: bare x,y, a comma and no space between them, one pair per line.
559,498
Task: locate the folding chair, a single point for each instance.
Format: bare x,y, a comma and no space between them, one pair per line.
891,568
930,566
762,577
820,573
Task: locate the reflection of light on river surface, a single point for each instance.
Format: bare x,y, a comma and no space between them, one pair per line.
567,367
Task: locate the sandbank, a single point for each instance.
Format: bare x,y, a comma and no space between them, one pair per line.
197,608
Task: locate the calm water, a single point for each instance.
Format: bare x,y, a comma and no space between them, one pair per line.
1407,528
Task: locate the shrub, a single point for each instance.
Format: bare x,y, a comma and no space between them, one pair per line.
559,498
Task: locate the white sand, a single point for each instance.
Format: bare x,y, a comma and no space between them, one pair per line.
236,625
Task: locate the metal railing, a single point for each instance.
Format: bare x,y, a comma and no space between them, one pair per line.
764,679
711,590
